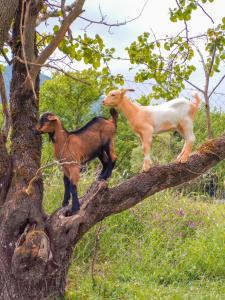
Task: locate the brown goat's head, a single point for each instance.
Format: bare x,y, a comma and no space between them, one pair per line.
115,97
47,122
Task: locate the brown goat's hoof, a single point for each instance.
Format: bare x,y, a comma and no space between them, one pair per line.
70,213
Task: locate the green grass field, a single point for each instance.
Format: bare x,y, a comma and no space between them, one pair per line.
168,247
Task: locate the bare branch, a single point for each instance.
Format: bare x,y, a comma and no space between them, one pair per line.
186,80
110,25
75,12
48,65
199,5
201,56
187,38
55,13
63,9
23,29
213,59
217,85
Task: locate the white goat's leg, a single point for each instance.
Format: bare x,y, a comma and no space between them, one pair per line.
146,138
186,130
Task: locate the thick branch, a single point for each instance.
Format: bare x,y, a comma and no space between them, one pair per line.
76,11
100,202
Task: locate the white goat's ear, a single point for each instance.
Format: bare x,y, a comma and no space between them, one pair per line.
123,91
52,118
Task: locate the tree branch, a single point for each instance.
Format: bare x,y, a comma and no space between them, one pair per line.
75,12
199,5
100,201
217,85
110,25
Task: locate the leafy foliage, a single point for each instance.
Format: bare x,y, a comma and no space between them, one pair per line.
169,61
184,10
162,62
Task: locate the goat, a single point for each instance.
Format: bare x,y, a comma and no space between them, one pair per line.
72,149
177,114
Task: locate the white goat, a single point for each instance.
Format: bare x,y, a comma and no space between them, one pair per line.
177,114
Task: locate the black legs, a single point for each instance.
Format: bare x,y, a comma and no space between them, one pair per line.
108,165
107,171
75,201
67,190
70,189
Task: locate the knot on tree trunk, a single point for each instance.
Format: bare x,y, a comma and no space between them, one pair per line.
31,256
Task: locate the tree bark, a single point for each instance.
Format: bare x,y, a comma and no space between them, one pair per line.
7,12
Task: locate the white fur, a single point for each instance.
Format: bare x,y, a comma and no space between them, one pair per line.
172,111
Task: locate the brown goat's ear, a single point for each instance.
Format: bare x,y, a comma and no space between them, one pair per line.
52,118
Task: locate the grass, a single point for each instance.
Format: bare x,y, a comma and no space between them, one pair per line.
168,247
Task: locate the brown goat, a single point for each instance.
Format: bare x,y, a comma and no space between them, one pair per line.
75,148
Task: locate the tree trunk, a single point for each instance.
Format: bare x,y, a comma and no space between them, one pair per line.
207,112
7,12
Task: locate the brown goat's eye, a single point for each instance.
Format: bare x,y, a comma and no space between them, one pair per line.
113,95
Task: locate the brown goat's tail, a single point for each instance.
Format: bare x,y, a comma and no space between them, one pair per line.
114,115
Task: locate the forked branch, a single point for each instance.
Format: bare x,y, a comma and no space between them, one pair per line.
100,201
41,59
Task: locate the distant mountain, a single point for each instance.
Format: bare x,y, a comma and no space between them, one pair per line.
8,75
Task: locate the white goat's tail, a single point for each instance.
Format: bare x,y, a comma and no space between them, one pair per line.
196,101
194,105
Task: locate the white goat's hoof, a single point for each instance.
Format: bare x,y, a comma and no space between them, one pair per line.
146,168
182,159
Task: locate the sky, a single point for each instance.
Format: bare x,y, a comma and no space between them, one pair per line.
155,17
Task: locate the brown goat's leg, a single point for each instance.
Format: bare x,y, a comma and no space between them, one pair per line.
66,191
110,151
74,177
104,160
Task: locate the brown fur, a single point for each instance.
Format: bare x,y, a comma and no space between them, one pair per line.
72,149
77,148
